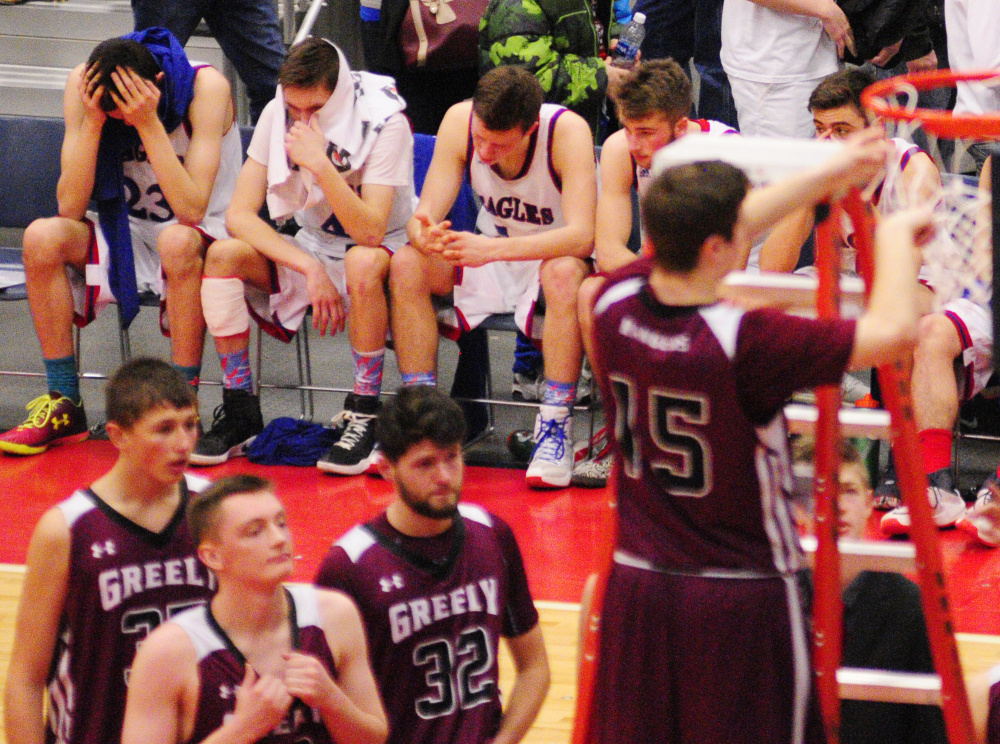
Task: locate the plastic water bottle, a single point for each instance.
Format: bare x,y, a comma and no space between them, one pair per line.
629,42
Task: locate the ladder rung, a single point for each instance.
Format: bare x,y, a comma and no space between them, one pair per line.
870,423
880,686
869,555
789,291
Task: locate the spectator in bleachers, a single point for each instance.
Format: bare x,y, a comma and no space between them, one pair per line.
247,30
532,165
557,43
334,149
652,101
153,141
774,58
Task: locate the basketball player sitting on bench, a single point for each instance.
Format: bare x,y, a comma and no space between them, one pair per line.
106,566
533,167
343,164
153,140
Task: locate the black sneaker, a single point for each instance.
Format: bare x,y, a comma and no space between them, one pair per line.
355,452
235,424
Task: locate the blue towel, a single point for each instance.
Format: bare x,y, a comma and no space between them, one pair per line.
288,441
177,90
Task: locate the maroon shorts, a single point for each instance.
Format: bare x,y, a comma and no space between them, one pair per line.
703,660
993,717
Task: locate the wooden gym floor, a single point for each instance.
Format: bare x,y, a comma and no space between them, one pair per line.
557,532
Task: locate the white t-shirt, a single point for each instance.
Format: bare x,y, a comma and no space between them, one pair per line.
973,28
390,163
768,46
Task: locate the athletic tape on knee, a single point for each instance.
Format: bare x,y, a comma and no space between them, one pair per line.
224,306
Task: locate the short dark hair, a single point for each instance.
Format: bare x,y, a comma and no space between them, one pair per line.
310,63
842,88
142,385
415,414
656,86
118,52
687,204
508,97
203,507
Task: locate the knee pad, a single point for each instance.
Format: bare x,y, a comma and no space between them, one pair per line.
224,306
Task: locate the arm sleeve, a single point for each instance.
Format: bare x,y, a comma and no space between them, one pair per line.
777,354
519,613
390,162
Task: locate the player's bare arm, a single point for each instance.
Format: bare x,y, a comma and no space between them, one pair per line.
783,246
37,628
351,707
531,684
443,181
888,328
84,122
573,162
921,179
243,222
862,158
364,218
186,186
614,205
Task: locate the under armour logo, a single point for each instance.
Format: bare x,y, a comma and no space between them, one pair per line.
226,692
58,421
388,584
100,551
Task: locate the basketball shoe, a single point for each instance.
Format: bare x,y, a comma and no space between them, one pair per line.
945,499
982,520
52,419
355,452
552,459
235,424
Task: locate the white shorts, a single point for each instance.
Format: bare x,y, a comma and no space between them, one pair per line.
974,324
495,289
774,109
281,310
91,290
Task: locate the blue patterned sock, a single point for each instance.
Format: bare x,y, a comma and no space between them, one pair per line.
62,377
412,379
368,366
191,374
236,370
559,394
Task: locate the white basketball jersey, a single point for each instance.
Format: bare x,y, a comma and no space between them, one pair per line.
529,203
145,198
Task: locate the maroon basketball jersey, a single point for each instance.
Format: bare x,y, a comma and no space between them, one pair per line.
696,394
123,581
221,668
434,611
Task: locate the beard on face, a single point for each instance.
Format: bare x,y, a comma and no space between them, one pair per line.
424,508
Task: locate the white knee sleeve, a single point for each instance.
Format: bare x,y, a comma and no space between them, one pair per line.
224,306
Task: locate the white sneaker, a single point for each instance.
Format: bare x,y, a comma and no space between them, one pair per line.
948,505
552,460
982,520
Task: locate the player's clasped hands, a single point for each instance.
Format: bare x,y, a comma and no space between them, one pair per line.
433,236
327,304
306,145
468,249
307,679
137,98
262,702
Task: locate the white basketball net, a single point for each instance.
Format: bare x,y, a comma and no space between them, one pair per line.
958,262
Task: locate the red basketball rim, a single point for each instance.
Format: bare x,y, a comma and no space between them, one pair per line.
941,123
